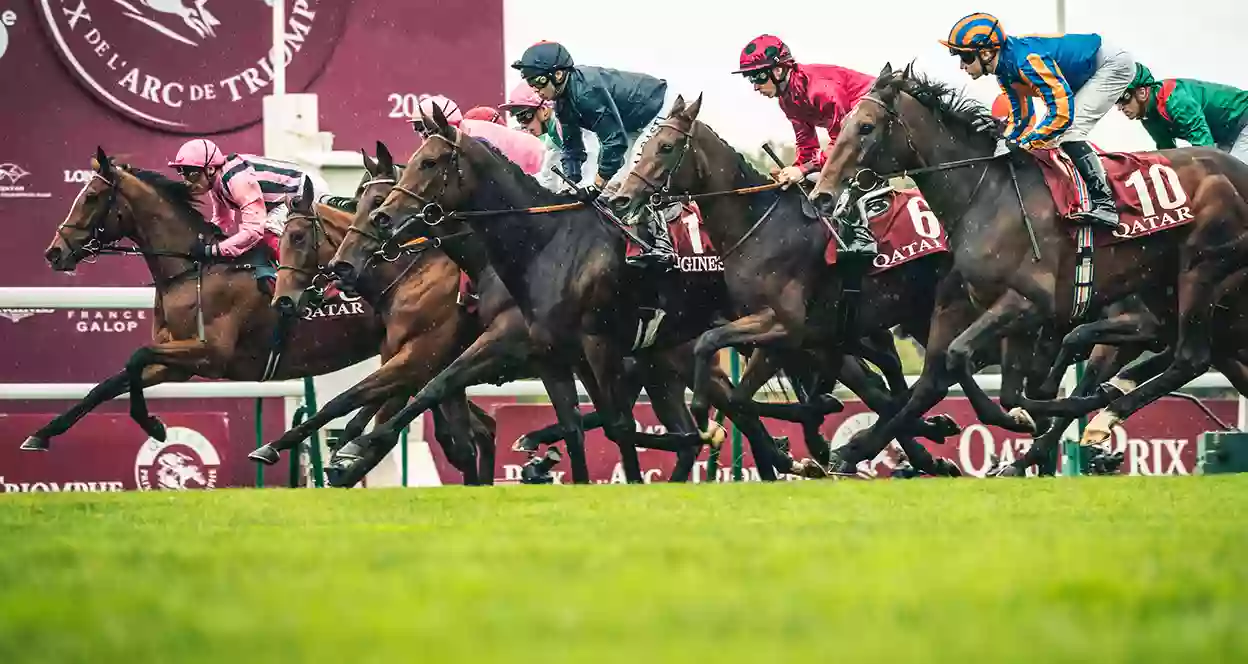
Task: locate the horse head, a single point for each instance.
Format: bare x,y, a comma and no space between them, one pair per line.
872,138
666,162
299,269
94,218
435,179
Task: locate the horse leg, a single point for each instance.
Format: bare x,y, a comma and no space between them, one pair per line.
503,345
1008,313
761,328
483,429
1122,328
952,312
392,378
530,442
560,386
453,430
1192,355
760,368
384,411
667,397
880,349
188,355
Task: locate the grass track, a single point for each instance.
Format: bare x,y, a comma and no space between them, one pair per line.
1094,570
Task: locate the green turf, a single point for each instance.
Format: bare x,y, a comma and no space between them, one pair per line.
1090,570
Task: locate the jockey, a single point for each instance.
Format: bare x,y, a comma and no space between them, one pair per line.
526,151
1198,112
537,117
246,196
811,96
622,108
1079,77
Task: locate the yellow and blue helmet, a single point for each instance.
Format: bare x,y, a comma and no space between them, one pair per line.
979,30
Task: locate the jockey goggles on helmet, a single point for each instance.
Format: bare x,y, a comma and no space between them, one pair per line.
758,76
524,115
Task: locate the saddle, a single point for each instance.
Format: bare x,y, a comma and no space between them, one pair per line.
1146,188
905,228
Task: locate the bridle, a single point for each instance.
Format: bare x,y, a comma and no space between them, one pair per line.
95,245
320,273
657,191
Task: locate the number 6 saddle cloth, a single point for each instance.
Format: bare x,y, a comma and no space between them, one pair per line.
1146,188
905,228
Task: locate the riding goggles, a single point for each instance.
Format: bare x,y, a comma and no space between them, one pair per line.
538,82
524,115
758,76
188,171
967,56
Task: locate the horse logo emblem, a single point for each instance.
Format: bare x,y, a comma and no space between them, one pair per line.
186,460
11,173
194,13
191,66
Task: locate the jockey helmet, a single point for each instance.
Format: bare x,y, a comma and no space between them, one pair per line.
198,153
523,96
485,114
542,58
1143,79
979,30
449,109
764,52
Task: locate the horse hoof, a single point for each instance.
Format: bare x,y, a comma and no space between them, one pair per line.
947,468
352,451
810,469
36,444
1023,419
525,444
154,428
339,475
944,425
714,434
265,454
1099,429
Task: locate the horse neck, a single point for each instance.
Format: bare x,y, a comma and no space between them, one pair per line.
952,192
728,217
334,223
470,254
157,227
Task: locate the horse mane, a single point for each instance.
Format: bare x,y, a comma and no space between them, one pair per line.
951,107
172,191
743,165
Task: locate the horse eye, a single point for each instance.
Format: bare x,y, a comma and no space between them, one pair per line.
866,129
666,148
428,164
297,237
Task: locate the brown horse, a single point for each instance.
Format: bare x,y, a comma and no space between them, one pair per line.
212,320
476,256
422,329
912,124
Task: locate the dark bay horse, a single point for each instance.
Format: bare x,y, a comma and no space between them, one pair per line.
422,328
908,123
156,213
773,257
564,270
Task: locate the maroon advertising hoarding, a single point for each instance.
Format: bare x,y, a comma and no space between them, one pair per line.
138,77
1159,440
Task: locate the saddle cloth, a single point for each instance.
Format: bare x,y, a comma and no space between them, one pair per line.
1147,189
694,250
905,229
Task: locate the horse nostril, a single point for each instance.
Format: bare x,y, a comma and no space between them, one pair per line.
343,270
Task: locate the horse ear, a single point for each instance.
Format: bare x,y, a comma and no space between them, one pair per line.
370,164
304,202
694,108
439,118
678,106
103,165
384,161
909,72
885,73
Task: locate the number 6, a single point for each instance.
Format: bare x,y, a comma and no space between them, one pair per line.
925,222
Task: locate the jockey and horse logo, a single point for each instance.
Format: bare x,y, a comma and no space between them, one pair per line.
186,460
180,66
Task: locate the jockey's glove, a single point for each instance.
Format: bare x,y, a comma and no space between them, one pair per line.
204,251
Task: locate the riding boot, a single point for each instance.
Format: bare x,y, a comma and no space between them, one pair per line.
655,233
1104,210
859,242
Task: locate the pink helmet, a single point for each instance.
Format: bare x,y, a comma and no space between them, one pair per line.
199,152
485,114
449,108
523,96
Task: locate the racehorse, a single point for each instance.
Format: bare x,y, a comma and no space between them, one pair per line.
774,259
210,320
991,207
562,288
422,328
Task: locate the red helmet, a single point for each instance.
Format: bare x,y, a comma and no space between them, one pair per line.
762,52
485,114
